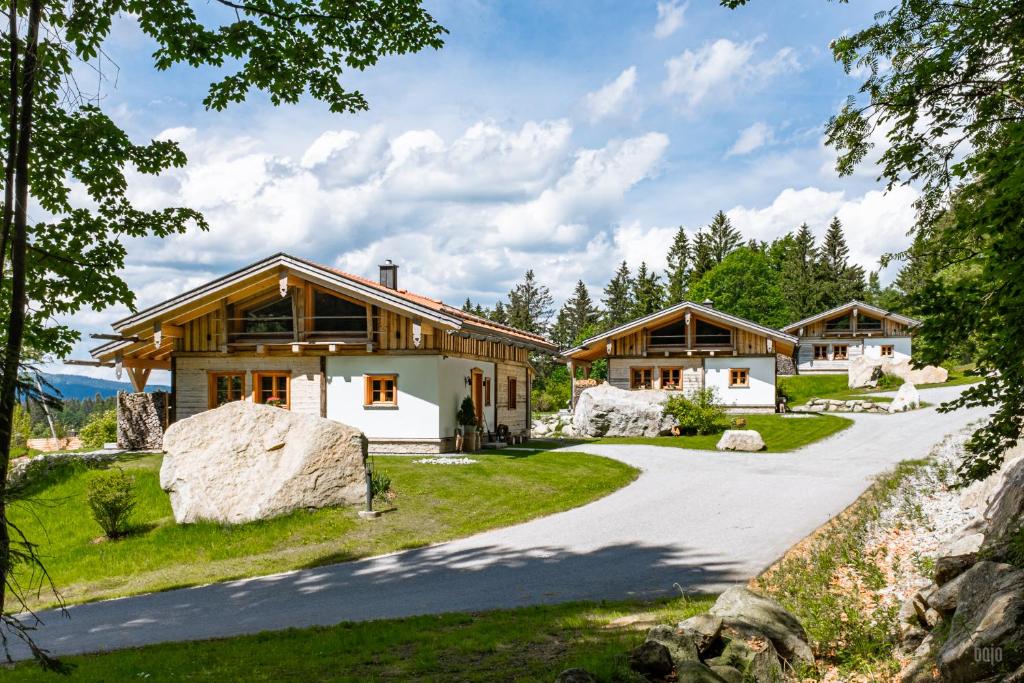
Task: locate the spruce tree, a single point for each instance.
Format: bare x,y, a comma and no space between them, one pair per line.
839,282
648,294
467,306
530,305
499,314
678,272
618,298
577,314
703,261
723,238
799,281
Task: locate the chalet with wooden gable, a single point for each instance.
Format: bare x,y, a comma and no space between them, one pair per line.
690,346
314,339
830,340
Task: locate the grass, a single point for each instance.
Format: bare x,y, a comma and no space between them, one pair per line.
828,579
779,433
435,503
527,644
802,388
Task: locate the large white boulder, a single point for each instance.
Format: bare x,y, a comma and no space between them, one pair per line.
907,398
243,461
864,372
605,410
740,440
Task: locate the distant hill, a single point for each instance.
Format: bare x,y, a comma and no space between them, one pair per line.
80,386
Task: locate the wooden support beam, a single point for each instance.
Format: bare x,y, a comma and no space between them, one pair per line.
89,363
282,282
296,348
333,348
161,330
114,337
139,377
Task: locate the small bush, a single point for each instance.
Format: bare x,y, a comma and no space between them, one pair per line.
699,413
466,415
112,499
380,487
101,429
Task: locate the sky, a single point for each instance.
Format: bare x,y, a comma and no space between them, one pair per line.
563,136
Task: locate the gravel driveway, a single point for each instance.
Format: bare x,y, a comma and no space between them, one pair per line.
701,520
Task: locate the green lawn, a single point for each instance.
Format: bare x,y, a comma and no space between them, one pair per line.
779,433
527,644
802,388
435,503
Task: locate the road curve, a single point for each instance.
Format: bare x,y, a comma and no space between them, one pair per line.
701,520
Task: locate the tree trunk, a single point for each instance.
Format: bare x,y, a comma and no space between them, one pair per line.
12,135
19,244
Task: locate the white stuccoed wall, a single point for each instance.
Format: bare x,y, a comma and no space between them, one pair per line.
417,414
760,393
452,389
900,346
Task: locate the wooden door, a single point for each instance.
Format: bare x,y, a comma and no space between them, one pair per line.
478,396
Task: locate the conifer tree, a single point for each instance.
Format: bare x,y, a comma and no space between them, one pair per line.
577,314
618,298
530,305
678,272
648,293
499,314
703,261
723,238
838,281
798,280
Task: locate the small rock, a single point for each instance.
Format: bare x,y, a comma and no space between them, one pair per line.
695,672
738,606
740,440
728,674
680,647
575,676
703,630
949,567
967,544
651,659
945,598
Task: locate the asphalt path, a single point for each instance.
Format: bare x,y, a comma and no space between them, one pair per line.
693,520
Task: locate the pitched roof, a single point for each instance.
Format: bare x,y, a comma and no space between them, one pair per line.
411,303
706,311
849,306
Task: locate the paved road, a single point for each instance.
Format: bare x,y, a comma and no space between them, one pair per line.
701,520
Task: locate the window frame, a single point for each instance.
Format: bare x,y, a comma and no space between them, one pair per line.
678,386
512,400
846,352
368,381
890,347
824,354
312,327
734,377
257,376
211,392
644,369
243,311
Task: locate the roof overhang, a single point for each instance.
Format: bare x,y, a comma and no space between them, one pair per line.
704,311
849,306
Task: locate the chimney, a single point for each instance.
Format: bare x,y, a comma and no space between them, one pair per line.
389,274
708,303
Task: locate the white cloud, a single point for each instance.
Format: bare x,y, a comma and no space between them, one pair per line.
721,68
611,97
752,137
875,223
670,18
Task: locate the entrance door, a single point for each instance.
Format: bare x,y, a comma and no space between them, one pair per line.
478,395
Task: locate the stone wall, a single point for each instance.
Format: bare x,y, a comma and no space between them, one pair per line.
49,445
784,365
141,420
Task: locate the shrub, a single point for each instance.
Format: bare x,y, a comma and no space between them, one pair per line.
111,499
466,415
101,429
380,487
699,413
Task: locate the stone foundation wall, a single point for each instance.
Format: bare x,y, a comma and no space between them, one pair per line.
784,365
410,447
141,420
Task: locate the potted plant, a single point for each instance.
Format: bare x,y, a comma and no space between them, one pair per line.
466,416
274,402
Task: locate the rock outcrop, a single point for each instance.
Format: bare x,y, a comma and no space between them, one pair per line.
906,399
605,410
740,440
243,462
744,637
865,372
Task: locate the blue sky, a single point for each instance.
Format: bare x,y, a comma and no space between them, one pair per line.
559,136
